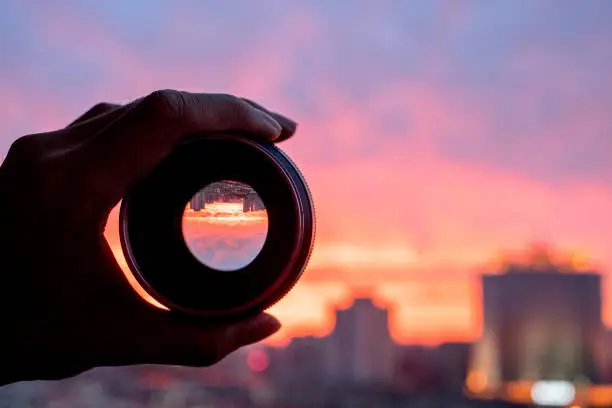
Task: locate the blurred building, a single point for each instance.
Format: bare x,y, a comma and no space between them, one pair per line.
540,322
226,191
304,355
605,356
453,361
252,202
360,348
417,370
197,201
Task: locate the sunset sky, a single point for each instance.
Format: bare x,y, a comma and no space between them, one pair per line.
433,134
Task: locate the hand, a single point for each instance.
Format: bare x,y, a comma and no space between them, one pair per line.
65,304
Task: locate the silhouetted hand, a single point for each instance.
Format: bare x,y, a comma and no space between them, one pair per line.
66,305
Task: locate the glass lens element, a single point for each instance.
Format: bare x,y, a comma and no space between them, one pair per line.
225,225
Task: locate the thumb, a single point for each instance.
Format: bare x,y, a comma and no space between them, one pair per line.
190,345
249,332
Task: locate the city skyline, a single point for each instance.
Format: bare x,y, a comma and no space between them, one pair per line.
357,360
553,339
535,255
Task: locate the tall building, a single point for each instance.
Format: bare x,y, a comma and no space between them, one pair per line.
304,357
453,361
360,348
252,202
197,201
540,323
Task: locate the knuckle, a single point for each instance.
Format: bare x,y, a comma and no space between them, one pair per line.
234,108
238,105
38,171
23,145
101,108
166,103
225,98
25,148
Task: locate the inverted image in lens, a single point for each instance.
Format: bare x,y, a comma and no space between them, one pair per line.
225,225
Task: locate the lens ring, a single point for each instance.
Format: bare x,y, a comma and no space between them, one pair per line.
152,241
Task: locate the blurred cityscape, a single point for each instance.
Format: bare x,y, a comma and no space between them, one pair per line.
227,191
543,343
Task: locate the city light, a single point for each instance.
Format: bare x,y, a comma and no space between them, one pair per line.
477,382
553,393
257,360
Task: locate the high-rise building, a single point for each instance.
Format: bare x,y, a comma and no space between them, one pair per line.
453,363
197,201
302,362
360,348
252,202
540,323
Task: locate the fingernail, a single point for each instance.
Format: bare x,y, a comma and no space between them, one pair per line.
288,122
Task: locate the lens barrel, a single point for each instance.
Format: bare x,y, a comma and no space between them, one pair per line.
155,249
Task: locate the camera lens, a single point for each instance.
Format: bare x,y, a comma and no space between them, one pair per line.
223,227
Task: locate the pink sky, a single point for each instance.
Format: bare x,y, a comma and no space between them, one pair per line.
434,134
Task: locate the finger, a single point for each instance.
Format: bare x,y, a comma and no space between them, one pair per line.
249,332
190,345
83,128
95,111
135,143
289,126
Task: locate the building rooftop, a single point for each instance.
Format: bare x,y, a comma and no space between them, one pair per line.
539,258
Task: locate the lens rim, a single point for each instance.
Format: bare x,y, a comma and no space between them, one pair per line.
199,289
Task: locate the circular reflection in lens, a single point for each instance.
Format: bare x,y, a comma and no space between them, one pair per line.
225,225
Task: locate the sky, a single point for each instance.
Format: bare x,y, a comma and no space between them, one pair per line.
434,134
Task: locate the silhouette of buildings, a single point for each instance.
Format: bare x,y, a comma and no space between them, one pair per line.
198,201
453,365
360,348
227,191
252,202
541,321
359,354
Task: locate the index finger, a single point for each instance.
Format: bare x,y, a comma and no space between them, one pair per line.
146,131
289,126
95,111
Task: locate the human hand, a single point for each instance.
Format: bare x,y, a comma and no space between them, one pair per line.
66,305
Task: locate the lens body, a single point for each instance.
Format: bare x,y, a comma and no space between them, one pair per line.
151,228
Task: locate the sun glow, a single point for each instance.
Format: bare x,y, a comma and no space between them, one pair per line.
225,213
363,256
